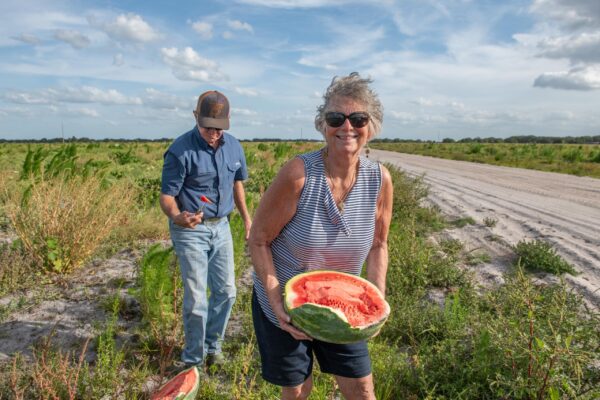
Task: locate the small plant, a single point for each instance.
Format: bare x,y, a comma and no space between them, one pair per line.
105,380
538,255
16,268
57,375
451,246
490,222
477,257
462,222
160,296
123,158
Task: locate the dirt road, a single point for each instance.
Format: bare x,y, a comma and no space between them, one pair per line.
558,208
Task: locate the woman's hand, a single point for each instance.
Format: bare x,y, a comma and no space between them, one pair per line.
187,219
285,323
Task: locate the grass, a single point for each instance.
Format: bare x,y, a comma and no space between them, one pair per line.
574,159
521,341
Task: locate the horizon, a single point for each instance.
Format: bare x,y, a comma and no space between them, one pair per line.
451,69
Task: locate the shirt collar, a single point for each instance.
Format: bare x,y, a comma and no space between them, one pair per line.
203,144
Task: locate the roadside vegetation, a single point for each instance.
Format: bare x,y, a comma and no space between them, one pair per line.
574,159
443,340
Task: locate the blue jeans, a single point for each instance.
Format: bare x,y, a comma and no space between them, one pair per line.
205,256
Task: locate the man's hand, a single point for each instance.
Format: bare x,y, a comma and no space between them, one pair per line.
187,219
248,225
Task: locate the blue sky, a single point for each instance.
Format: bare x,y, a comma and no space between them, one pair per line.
456,68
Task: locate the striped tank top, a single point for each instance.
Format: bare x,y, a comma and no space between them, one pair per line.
319,236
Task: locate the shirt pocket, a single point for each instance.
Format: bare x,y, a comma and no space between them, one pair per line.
232,168
201,180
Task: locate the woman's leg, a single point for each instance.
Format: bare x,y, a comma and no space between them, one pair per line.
300,392
356,388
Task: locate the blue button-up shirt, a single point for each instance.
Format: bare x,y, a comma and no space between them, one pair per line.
193,169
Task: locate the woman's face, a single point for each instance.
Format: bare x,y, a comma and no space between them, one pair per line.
346,138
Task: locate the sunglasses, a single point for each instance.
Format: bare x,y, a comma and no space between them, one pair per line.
357,119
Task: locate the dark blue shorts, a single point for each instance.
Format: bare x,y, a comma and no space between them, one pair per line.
288,362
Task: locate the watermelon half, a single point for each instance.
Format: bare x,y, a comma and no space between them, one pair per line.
183,386
335,307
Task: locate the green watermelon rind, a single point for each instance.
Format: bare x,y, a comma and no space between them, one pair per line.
326,324
191,395
337,329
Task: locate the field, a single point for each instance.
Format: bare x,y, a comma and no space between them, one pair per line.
575,159
90,293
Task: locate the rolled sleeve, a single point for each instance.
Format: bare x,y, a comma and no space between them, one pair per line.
173,175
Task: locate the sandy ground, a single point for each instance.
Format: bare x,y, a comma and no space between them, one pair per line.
73,311
558,208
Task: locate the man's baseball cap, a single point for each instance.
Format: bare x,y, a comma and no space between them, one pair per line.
212,110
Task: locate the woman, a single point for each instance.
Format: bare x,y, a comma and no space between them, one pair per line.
328,209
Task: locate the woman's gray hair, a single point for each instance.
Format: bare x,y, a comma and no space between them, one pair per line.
357,89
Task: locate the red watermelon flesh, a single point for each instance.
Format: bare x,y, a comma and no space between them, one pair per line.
183,386
358,302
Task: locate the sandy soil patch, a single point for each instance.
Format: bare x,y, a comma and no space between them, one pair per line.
71,311
558,208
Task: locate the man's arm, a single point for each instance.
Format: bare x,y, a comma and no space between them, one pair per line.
239,197
185,219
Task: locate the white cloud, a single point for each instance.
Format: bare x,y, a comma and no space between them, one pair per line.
584,47
293,3
205,29
26,98
403,117
228,35
579,78
242,111
75,39
246,92
161,100
118,59
571,14
27,38
423,102
127,28
577,40
343,48
188,65
240,26
84,94
86,112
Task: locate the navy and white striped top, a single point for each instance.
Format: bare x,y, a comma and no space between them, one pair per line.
319,236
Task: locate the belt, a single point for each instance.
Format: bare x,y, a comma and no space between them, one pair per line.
212,221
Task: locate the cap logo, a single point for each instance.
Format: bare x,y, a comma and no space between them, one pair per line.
216,110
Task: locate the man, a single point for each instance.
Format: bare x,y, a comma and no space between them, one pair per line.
201,179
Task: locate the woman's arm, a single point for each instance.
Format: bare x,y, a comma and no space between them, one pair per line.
276,209
377,259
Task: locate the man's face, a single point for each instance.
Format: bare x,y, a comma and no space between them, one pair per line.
211,135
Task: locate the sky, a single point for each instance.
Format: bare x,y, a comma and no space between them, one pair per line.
443,69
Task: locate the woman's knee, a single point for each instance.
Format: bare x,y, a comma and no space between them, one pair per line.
300,392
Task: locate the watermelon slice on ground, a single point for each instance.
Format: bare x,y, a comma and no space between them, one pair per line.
335,307
183,386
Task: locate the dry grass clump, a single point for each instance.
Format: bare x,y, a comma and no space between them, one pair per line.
61,222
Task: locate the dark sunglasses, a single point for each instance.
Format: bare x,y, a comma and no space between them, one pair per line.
357,119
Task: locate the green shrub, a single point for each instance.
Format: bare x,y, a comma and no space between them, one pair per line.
573,155
538,255
62,222
160,293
